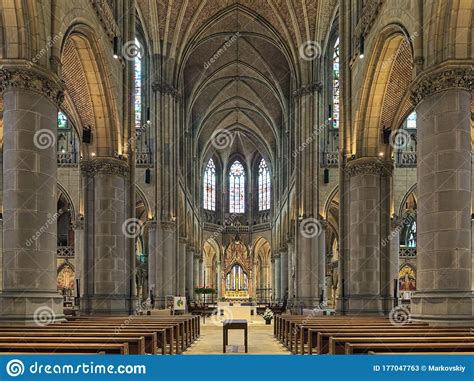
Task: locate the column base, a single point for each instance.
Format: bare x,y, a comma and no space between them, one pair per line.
443,308
365,305
108,305
39,308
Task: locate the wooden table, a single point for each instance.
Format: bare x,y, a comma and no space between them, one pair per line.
234,324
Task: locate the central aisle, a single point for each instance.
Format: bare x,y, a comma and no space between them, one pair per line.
260,341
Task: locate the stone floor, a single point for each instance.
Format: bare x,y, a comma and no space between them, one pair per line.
260,340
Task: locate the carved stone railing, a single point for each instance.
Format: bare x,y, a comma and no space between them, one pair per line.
144,159
330,159
67,159
106,16
407,252
65,252
261,227
405,159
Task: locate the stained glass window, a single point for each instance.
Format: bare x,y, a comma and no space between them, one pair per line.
335,85
411,120
138,66
210,186
62,120
411,235
237,188
263,186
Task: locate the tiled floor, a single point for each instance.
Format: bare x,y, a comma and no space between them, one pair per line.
260,340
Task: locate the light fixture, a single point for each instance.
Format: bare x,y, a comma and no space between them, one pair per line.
381,154
148,115
116,47
329,112
93,154
361,46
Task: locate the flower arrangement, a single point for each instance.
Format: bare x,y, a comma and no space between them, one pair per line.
205,290
268,314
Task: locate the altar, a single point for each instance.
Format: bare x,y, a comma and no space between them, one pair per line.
237,311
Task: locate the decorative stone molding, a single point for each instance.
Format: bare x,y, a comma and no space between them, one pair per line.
165,89
448,78
19,78
106,16
150,225
169,226
104,166
183,240
308,89
78,224
369,14
369,166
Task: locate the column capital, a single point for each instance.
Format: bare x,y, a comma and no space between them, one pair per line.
308,89
440,80
165,88
104,165
183,240
32,79
169,226
78,223
150,225
369,166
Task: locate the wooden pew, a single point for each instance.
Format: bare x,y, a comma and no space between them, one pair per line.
337,345
323,336
119,349
361,348
136,345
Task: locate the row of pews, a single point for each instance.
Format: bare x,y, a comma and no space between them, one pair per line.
368,335
104,335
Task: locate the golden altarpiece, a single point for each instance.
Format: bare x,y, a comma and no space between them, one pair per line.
237,271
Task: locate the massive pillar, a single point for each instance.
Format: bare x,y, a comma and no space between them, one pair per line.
30,104
152,257
168,265
190,272
181,267
277,276
368,283
78,226
444,258
284,273
108,275
319,281
291,289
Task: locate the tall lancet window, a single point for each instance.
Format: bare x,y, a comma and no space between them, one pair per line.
210,186
263,186
237,188
335,85
138,92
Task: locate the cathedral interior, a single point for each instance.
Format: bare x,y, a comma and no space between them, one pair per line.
293,154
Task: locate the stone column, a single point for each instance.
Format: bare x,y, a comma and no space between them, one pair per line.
394,244
168,229
181,267
444,258
190,271
108,276
291,289
31,97
319,282
218,285
78,226
152,257
284,273
196,280
273,277
368,283
1,252
277,276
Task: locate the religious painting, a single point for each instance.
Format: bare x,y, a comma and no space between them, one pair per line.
407,279
65,280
